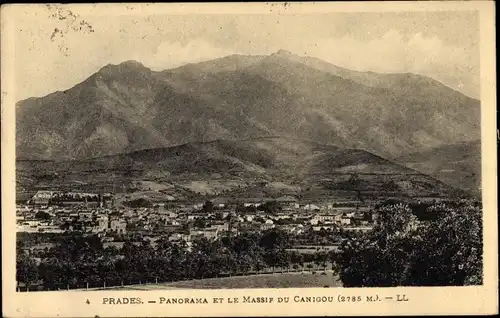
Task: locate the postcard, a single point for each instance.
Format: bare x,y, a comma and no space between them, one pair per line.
249,159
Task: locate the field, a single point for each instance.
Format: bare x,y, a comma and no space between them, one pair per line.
288,280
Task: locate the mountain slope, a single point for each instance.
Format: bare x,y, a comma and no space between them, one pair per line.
458,165
128,107
269,167
403,113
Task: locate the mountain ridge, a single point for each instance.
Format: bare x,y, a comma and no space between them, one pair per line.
127,107
289,166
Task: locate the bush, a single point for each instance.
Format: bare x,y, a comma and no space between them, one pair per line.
403,251
139,203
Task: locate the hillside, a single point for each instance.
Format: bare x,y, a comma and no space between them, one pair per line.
458,165
128,107
269,167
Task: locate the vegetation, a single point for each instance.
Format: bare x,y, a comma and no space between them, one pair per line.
208,207
404,251
262,281
41,215
139,203
269,207
78,260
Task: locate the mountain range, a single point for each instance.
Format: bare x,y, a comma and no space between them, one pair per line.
265,167
128,107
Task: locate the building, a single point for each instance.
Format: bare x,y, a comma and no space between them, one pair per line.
85,214
311,207
50,229
175,237
266,226
299,229
290,228
33,223
210,234
324,217
102,223
359,229
128,213
118,225
167,214
325,227
345,220
221,227
350,215
43,197
282,216
28,226
107,200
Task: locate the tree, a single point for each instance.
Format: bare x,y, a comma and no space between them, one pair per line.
200,223
26,269
283,259
453,247
208,206
139,203
296,258
353,181
41,215
240,207
275,239
390,186
402,251
320,258
270,207
219,216
77,259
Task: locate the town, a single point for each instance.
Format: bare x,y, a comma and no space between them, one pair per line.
98,240
96,214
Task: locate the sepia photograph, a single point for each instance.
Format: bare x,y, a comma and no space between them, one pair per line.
159,151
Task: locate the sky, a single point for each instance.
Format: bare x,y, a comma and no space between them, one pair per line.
56,48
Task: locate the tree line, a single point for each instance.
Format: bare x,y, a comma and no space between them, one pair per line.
77,260
401,250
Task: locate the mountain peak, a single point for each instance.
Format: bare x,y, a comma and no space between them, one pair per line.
283,52
132,63
129,65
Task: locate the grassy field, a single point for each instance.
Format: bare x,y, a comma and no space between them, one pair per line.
288,280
